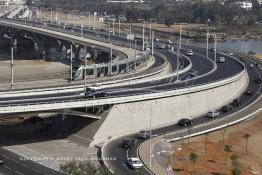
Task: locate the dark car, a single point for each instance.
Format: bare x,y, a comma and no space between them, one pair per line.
248,92
143,135
185,122
97,94
226,108
127,143
258,80
212,50
237,102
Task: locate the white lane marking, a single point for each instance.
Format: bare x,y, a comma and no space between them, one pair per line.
7,167
5,156
36,170
15,161
18,172
24,165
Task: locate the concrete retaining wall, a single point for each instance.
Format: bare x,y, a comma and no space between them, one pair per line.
132,117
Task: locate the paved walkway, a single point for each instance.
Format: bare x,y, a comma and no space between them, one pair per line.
54,153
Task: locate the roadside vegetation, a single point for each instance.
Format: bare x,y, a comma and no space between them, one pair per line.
168,12
87,168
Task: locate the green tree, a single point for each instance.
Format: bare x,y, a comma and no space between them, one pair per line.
189,128
234,160
246,136
169,21
236,171
227,149
193,158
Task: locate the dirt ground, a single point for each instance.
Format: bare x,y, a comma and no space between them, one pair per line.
259,56
215,160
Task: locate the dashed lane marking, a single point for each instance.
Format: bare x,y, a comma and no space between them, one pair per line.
24,165
7,167
15,161
18,172
36,170
5,156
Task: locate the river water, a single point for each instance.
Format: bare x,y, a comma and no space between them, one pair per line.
242,45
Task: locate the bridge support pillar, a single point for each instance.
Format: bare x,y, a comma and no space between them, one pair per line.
95,71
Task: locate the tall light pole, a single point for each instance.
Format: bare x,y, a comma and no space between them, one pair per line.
143,47
150,137
215,47
135,54
207,42
177,61
180,36
113,25
111,57
12,66
85,74
89,21
109,40
150,33
119,26
152,43
71,64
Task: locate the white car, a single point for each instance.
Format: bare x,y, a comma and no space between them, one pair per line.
213,114
161,46
169,42
1,162
134,163
221,59
94,87
190,53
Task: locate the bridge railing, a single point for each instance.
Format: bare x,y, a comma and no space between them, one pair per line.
144,95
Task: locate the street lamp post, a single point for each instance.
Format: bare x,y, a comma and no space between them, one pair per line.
71,60
215,47
12,66
177,61
180,37
135,54
143,47
119,26
152,43
207,42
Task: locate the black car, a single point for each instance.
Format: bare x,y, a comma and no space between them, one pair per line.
185,122
226,108
237,102
96,95
258,80
127,143
248,92
212,50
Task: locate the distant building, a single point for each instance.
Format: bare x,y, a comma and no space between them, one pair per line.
247,5
6,2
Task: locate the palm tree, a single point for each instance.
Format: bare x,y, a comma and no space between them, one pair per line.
227,149
223,132
189,127
234,160
246,136
206,135
193,158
